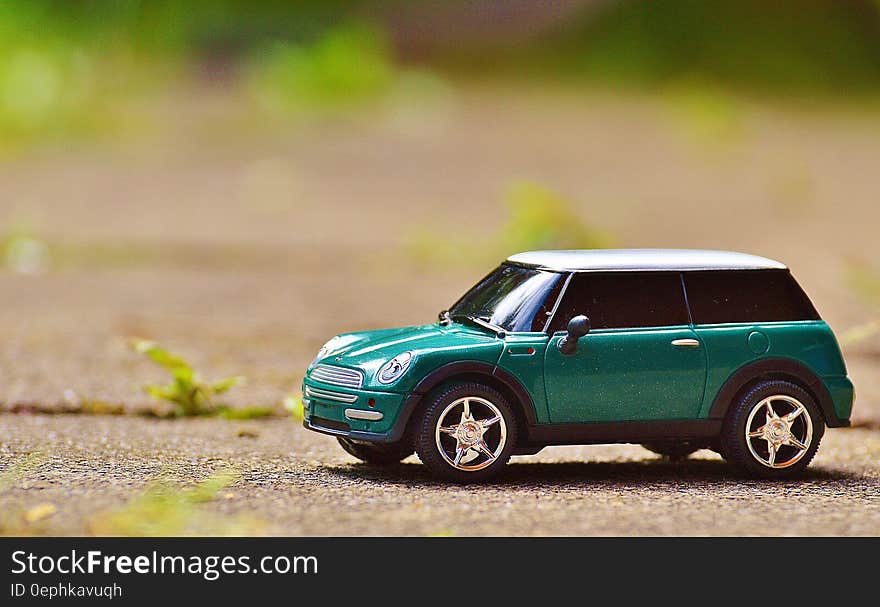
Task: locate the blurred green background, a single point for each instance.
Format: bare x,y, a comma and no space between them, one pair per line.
241,181
72,69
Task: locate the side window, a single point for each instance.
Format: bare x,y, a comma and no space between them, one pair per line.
543,314
624,299
746,296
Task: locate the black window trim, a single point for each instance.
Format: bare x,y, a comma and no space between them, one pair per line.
687,303
556,305
571,274
690,315
787,271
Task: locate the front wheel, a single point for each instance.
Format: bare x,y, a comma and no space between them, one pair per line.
377,454
773,430
466,433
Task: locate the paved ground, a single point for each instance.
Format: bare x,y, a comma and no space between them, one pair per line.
294,482
245,252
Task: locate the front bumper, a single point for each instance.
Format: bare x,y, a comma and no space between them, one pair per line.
353,413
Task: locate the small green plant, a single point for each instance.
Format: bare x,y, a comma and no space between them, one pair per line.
294,405
166,508
250,412
537,218
187,391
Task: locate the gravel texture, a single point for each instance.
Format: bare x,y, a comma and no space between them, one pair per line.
294,482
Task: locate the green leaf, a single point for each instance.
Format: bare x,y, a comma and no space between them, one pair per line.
224,385
185,376
160,355
167,393
249,412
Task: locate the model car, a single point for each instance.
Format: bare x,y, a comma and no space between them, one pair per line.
677,350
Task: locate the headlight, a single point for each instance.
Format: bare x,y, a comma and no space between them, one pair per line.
394,368
325,349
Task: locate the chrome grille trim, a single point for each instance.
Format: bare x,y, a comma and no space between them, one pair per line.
337,376
370,416
328,395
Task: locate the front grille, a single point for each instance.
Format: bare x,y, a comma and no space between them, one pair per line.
337,376
328,395
329,423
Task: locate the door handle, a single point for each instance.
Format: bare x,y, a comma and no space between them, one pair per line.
521,350
686,343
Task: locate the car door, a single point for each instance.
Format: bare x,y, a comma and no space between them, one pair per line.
641,360
742,316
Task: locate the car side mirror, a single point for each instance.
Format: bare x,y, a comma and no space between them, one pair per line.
577,328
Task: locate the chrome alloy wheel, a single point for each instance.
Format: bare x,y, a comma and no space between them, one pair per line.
785,434
471,433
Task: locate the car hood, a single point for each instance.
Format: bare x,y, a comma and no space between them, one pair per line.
369,350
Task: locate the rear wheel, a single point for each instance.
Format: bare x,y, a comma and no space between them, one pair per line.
773,430
377,454
466,433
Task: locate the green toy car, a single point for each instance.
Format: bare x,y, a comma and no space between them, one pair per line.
677,350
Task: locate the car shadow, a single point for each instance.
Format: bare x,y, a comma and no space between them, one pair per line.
535,475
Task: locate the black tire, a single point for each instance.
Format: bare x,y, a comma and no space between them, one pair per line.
500,436
735,445
674,450
377,454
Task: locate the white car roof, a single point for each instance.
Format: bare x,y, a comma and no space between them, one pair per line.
598,260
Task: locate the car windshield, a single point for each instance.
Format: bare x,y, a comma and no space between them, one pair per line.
513,298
